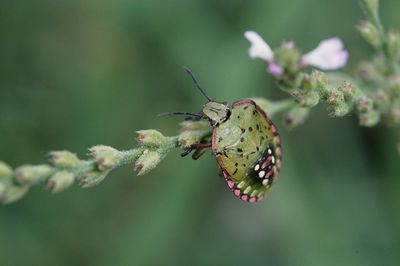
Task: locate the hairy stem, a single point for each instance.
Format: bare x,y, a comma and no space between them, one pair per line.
65,168
372,15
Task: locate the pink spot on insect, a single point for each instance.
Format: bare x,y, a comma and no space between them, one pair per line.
237,192
246,101
260,198
225,174
266,162
279,151
277,139
252,200
244,197
230,183
270,173
273,128
279,164
264,165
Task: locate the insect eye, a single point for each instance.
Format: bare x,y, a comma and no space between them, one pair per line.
228,114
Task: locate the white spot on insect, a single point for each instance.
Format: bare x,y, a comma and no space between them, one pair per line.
241,184
257,167
273,159
261,174
265,182
269,151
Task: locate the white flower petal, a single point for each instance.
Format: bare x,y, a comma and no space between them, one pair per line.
259,48
329,55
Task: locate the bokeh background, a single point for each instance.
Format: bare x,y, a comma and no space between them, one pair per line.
78,73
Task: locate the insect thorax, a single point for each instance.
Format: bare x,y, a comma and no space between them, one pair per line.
216,112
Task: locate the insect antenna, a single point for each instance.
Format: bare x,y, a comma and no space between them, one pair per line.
179,113
196,82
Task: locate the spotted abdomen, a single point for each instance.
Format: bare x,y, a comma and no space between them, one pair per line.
248,149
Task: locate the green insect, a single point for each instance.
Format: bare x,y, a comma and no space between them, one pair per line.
245,143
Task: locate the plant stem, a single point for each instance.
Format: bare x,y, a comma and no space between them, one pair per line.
374,18
65,168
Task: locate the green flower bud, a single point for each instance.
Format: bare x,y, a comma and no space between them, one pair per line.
92,178
28,174
319,77
13,193
339,109
393,42
381,98
318,80
307,83
381,66
394,84
369,119
393,116
3,189
194,125
296,116
150,137
311,100
336,104
370,33
371,6
288,57
192,132
148,161
368,71
106,157
188,138
335,97
6,174
364,104
348,91
5,170
60,181
64,159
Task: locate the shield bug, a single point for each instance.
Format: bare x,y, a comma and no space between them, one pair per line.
245,143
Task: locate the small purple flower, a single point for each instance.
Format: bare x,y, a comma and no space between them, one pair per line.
329,55
260,49
275,69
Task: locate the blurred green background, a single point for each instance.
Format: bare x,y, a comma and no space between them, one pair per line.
78,73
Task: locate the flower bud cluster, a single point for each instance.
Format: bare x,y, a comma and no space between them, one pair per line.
9,192
296,116
32,174
147,161
155,147
340,100
65,162
192,132
92,178
370,33
393,43
106,157
60,181
63,159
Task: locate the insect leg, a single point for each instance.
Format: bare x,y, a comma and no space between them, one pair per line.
186,152
200,149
